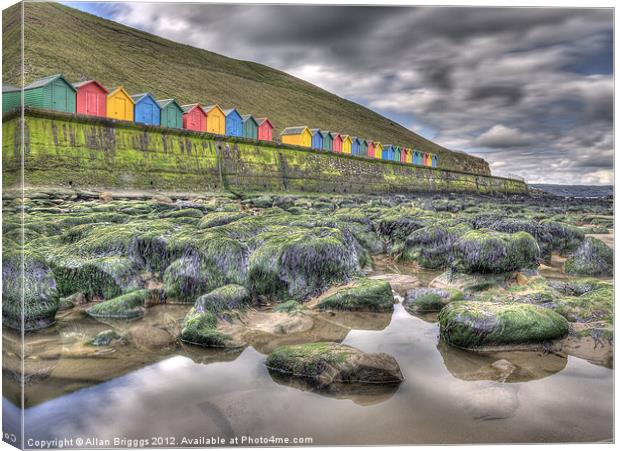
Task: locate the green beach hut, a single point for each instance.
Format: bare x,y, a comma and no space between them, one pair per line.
11,97
49,93
250,126
171,113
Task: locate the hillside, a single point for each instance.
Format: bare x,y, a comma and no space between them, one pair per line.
59,39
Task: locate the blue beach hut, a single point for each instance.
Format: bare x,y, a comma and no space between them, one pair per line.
434,161
146,110
234,122
317,138
416,157
387,152
355,145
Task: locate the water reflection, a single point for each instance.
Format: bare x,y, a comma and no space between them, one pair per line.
506,366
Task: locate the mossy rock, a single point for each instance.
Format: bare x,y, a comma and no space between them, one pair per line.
224,299
295,262
594,305
431,246
474,324
217,219
41,299
126,306
565,238
185,279
200,328
592,258
487,251
105,338
328,363
422,300
366,295
291,307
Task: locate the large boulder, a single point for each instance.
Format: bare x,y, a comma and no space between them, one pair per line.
126,306
592,258
296,262
422,300
431,246
473,324
200,328
224,299
40,295
328,363
487,251
365,295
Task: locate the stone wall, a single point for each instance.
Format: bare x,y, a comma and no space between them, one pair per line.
84,152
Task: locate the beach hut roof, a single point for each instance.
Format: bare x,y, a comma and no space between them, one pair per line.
137,97
187,108
314,131
334,134
230,111
9,88
247,117
46,81
294,130
84,83
260,120
208,108
165,102
120,89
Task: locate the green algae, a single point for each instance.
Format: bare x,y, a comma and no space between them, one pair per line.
365,296
126,306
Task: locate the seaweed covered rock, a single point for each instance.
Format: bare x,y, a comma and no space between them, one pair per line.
431,246
184,279
469,282
487,251
295,262
126,306
565,238
365,295
224,299
592,258
594,304
200,328
474,324
328,363
105,338
421,300
40,295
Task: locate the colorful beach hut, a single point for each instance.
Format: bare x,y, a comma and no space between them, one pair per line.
355,145
119,105
346,144
336,142
425,159
171,113
146,109
250,126
434,161
363,147
234,122
378,150
49,93
216,119
265,129
409,156
371,149
297,136
91,98
388,152
317,138
416,157
327,140
194,117
396,154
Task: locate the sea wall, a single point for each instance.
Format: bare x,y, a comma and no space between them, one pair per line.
79,151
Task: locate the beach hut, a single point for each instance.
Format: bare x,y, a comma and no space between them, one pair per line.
11,97
216,119
425,159
250,126
363,147
297,136
194,117
327,140
409,156
171,113
90,98
146,109
434,161
336,142
371,149
387,152
317,138
49,93
355,145
346,144
416,157
396,154
234,122
378,150
403,154
265,129
119,105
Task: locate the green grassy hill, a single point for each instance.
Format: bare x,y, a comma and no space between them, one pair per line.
59,39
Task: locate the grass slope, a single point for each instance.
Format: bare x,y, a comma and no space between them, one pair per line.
59,39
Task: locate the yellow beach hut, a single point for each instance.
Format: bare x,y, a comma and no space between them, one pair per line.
119,105
378,150
346,144
216,119
297,136
409,157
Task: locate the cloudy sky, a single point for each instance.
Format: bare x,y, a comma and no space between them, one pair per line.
529,90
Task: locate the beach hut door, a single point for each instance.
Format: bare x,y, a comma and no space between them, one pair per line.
59,98
91,103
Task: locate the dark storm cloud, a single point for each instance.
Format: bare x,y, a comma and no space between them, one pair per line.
528,89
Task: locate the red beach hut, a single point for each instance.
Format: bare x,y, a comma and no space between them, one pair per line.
337,142
194,117
91,98
265,129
